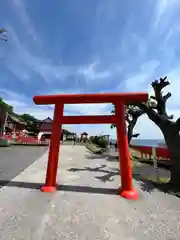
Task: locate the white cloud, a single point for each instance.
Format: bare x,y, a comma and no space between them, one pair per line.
141,44
13,96
23,63
132,84
163,11
139,81
161,8
150,66
88,109
22,14
90,72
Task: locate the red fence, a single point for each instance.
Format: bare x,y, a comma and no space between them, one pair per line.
25,140
160,151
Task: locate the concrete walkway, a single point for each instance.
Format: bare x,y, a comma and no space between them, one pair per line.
85,207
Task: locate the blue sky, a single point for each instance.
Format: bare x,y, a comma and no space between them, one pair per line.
84,46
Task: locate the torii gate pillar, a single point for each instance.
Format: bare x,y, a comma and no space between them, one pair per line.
119,100
127,189
50,184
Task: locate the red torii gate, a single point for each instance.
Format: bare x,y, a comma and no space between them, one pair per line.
119,100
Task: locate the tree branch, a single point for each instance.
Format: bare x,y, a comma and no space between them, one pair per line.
161,100
130,129
158,85
153,97
167,96
178,123
135,135
128,120
153,115
132,113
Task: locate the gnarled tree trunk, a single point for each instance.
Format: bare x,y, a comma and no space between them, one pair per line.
172,138
130,129
170,131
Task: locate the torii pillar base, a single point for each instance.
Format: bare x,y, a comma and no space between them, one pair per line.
131,194
48,189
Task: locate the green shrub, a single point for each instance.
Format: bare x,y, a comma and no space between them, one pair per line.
99,141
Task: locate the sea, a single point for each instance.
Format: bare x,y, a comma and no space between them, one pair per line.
145,142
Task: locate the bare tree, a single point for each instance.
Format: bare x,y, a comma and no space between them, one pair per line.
155,108
170,128
132,113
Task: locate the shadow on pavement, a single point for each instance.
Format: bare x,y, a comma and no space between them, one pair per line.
108,173
150,186
146,185
140,173
66,188
106,156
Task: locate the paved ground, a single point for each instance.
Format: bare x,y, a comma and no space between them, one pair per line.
13,160
85,207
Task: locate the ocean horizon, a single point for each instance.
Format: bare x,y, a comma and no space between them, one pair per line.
145,142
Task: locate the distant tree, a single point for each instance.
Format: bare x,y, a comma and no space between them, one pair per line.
99,140
28,118
6,106
31,122
4,109
132,113
155,109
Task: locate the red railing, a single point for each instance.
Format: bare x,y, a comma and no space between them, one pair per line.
160,151
25,140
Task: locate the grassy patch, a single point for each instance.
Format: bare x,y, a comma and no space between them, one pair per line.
154,180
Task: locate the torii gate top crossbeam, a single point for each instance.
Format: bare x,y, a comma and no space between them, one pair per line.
126,98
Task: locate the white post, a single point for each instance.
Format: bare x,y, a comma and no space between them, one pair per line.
155,163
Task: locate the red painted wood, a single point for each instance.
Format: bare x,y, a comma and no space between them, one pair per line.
160,152
127,189
91,98
101,119
54,148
